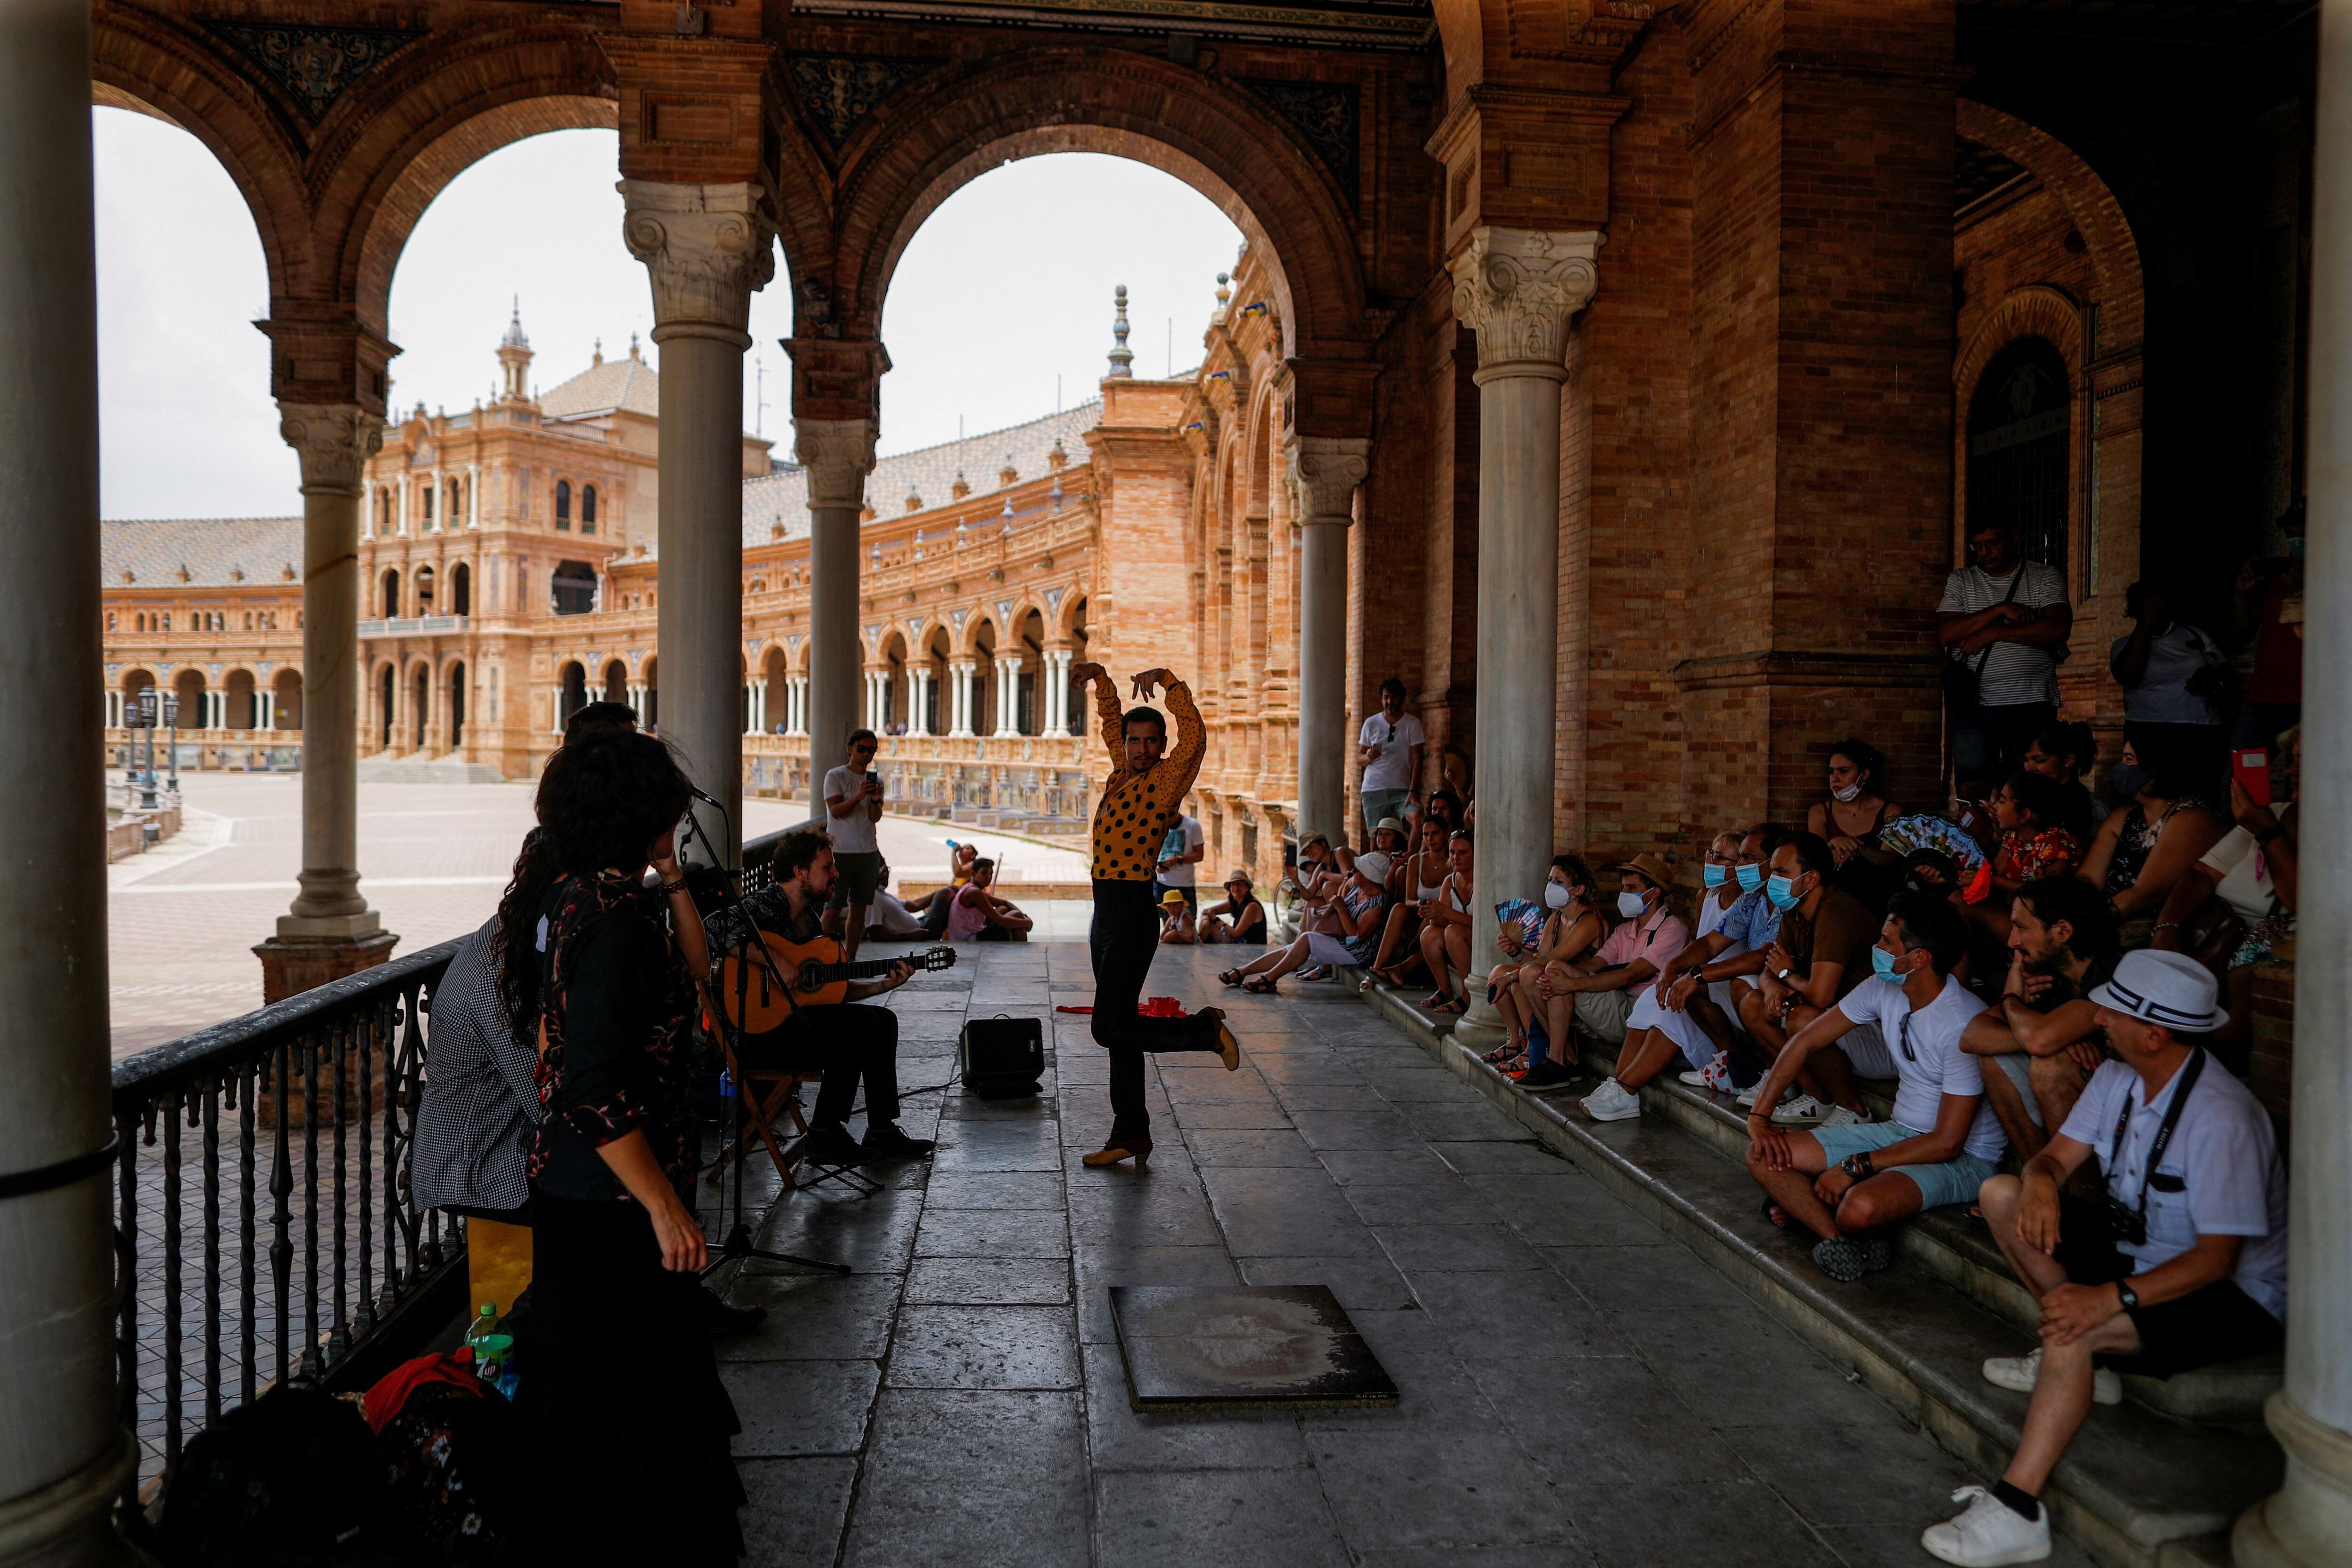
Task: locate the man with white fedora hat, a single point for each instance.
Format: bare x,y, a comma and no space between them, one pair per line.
2180,1263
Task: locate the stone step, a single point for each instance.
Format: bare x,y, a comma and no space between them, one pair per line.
2139,1490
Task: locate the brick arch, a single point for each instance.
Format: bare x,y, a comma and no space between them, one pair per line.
2036,310
1089,99
2114,251
147,63
1065,618
968,645
400,136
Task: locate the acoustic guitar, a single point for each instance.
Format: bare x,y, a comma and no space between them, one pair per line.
814,974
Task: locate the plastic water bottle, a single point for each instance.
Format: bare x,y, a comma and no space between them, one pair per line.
483,1327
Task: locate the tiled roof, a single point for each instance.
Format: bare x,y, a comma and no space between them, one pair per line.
929,472
629,384
154,550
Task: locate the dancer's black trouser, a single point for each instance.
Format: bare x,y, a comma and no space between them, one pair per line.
1123,940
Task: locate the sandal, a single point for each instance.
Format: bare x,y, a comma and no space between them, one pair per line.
1437,1002
1259,985
1500,1055
1230,977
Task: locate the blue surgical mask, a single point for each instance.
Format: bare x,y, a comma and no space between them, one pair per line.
1556,895
1712,875
2129,779
2295,548
1631,905
1782,892
1751,878
1882,963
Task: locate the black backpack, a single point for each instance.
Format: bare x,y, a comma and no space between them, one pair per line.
292,1478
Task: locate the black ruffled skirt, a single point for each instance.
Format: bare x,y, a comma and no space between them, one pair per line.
627,1422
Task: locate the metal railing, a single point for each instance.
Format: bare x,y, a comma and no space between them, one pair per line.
293,1248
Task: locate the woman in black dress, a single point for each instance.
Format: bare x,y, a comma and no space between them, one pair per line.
626,1420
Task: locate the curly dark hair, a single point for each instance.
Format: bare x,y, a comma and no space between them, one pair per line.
1864,756
602,802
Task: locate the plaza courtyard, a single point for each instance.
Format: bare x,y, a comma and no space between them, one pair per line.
1576,1386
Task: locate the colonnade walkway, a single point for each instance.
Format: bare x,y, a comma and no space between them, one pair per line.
1576,1386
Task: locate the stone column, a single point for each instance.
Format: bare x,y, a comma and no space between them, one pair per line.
838,454
919,685
800,705
1517,290
63,1457
706,248
1008,696
2308,1522
1327,471
330,931
960,674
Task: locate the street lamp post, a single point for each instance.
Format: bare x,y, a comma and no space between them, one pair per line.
147,723
171,719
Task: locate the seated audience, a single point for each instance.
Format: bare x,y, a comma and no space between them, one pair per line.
893,918
1847,1183
1420,877
1573,928
1822,951
1444,935
1850,819
2062,944
2182,1263
2063,752
978,915
934,907
2034,839
2141,849
1341,923
1650,1046
1240,920
2228,909
1177,926
1597,993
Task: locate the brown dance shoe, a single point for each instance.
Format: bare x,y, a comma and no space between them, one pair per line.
1136,1149
1229,1050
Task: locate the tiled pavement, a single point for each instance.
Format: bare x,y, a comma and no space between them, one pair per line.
1577,1388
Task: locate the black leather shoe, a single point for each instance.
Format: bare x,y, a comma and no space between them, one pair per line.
830,1146
719,1319
886,1142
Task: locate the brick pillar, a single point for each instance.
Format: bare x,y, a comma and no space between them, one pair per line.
1822,243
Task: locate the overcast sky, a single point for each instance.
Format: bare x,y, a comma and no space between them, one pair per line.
1003,293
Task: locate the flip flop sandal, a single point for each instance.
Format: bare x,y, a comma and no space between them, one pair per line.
1259,985
1230,977
1500,1055
1437,1002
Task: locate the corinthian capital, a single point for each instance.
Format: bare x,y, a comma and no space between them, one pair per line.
1326,471
708,247
334,441
1517,287
838,454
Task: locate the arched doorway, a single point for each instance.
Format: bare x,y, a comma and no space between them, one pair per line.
420,715
573,588
285,699
456,706
2019,447
386,685
188,687
239,705
461,589
573,693
651,716
617,681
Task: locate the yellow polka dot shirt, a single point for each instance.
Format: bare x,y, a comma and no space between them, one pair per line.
1135,810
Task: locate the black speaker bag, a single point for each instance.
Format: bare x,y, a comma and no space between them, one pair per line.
1001,1056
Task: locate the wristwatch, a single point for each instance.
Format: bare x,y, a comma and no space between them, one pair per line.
1782,975
1858,1165
2128,1296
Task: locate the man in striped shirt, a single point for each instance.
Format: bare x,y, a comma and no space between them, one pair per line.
2006,619
1142,799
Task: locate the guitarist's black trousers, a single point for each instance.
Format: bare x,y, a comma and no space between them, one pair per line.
1123,940
846,1042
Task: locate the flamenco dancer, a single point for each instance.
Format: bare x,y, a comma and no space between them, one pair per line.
1142,802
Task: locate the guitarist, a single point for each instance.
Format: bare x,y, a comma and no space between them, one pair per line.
1143,799
848,1040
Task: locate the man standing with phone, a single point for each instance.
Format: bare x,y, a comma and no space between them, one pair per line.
852,804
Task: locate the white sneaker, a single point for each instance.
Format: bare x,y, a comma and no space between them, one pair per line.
1839,1116
1802,1111
1988,1533
1612,1101
2019,1373
1746,1099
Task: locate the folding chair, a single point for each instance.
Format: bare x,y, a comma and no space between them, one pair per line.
765,1092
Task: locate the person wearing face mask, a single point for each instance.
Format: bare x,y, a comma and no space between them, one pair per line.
1573,928
1852,818
1650,1045
2141,850
1822,952
1848,1184
1597,993
2269,614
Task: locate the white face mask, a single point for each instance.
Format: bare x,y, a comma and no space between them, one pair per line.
1847,796
1556,896
1631,905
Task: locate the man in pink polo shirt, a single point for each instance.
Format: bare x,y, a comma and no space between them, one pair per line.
1606,984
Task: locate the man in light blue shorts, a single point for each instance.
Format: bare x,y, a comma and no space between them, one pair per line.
1848,1185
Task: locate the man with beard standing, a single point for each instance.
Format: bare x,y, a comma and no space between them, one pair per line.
1142,799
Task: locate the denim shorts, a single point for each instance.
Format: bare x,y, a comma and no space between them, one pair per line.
1952,1181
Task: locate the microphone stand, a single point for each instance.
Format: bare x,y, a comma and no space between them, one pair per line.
738,1245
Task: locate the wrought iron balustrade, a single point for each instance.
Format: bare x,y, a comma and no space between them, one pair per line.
265,1223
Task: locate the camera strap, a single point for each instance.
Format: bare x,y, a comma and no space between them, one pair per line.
2188,1071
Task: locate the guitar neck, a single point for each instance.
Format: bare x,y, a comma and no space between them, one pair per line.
863,969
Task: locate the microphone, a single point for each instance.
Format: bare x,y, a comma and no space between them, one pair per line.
696,791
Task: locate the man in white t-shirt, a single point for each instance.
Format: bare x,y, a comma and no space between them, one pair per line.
2182,1262
1847,1183
2005,619
1389,747
1186,844
852,804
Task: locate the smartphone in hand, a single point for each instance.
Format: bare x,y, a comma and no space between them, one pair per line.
2251,771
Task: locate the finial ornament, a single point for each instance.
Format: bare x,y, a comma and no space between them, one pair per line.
1122,358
